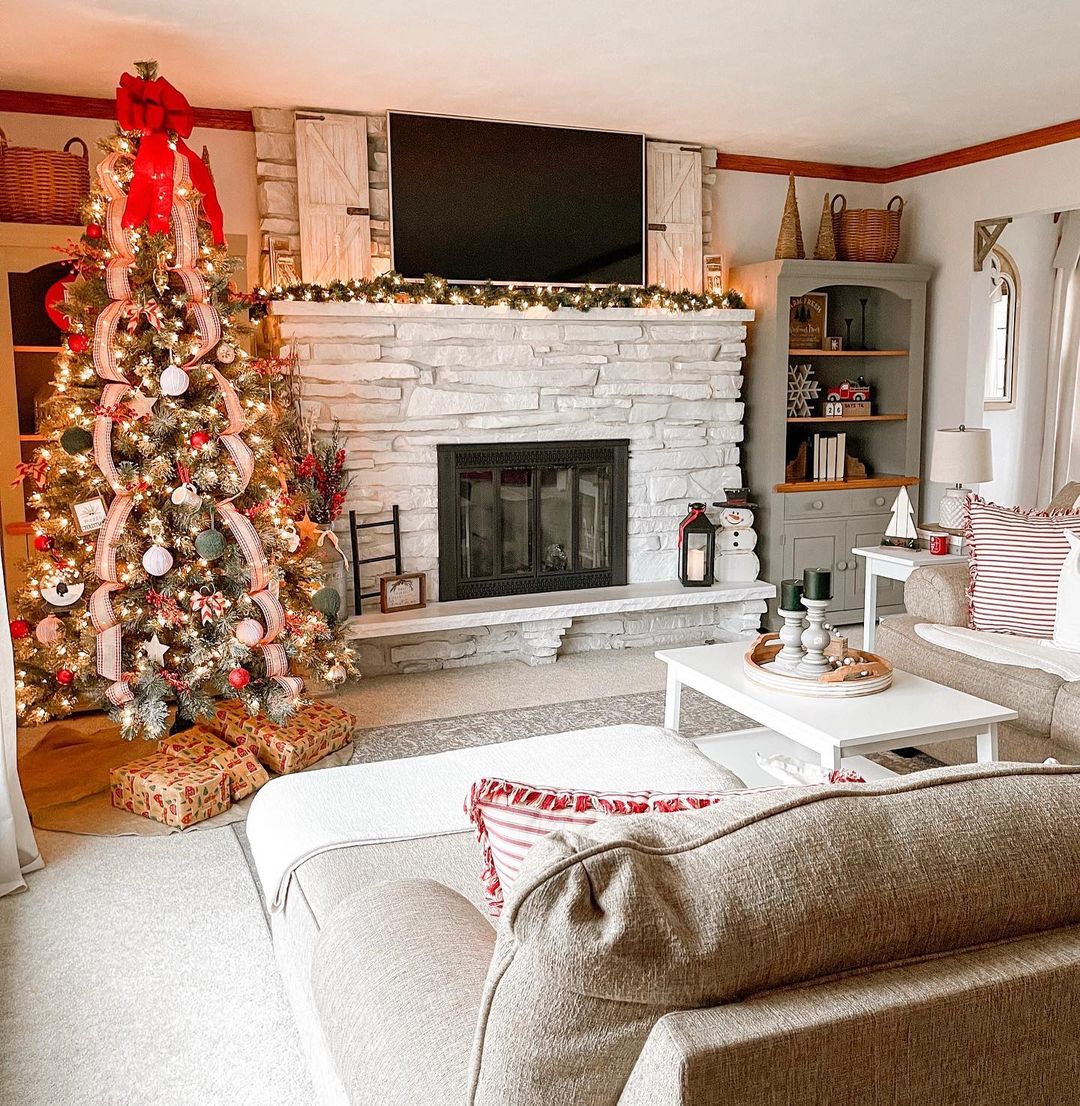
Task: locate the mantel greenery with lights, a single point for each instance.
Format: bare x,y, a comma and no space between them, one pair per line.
394,288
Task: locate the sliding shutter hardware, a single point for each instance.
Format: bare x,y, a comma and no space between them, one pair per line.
658,226
356,211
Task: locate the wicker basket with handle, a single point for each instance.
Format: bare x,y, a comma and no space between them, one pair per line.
43,186
867,233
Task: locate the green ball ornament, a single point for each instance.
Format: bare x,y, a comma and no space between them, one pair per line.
75,440
210,544
326,601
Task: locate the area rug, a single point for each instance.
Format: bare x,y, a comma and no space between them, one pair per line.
65,779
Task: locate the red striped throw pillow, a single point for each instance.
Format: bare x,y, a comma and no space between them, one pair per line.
1015,565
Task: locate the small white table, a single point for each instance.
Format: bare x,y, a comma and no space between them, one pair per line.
912,711
893,564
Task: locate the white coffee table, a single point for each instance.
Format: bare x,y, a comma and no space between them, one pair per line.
913,711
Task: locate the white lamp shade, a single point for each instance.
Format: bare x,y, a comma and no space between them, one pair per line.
961,455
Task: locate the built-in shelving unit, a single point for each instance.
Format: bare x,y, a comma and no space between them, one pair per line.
809,523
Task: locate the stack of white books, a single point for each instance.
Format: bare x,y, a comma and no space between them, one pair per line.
828,454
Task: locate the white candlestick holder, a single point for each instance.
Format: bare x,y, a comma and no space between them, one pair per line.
792,653
815,639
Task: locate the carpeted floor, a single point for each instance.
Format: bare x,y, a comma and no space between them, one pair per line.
140,969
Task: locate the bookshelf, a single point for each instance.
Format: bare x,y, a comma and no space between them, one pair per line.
803,522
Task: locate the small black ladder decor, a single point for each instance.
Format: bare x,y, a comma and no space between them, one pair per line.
394,521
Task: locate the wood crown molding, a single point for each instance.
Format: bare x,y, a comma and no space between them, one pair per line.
870,174
101,107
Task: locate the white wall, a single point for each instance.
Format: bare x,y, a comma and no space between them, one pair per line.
940,211
232,159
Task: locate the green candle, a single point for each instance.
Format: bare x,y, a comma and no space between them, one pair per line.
791,595
817,583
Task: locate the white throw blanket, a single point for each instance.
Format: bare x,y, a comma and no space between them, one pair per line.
296,817
1024,652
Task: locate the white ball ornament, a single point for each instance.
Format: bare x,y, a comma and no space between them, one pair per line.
173,381
249,632
157,560
226,354
49,630
336,674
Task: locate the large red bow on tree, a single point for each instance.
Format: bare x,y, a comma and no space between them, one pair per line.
155,107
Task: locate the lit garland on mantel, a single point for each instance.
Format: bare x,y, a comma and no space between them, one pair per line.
394,288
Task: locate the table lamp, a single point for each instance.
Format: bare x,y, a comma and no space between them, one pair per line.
961,455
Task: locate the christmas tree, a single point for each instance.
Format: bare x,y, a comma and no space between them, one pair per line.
168,567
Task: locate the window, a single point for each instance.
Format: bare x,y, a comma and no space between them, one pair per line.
1001,344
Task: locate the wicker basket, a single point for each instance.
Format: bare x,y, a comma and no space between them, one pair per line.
43,186
867,234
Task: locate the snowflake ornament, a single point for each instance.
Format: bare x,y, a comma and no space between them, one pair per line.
801,390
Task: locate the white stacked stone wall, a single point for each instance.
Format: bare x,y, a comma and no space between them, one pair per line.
400,379
279,205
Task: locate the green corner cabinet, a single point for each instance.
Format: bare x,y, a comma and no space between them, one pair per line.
879,314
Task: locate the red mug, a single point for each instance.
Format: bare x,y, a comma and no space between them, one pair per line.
939,544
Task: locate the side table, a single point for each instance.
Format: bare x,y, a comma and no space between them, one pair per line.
893,564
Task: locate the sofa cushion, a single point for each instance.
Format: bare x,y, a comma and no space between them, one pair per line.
1015,563
631,918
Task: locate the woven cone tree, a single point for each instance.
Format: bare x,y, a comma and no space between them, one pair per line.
789,241
167,568
825,248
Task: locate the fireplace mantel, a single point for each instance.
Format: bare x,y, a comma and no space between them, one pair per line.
402,378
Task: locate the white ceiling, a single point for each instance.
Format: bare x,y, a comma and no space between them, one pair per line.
862,81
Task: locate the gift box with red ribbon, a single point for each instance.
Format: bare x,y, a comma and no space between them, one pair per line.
313,732
238,762
172,790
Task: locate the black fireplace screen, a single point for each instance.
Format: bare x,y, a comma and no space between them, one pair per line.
548,516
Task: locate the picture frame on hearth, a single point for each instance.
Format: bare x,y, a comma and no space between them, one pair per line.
406,591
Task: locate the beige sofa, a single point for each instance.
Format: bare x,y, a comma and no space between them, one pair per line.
915,940
1049,707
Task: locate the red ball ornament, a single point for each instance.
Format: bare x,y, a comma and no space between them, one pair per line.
78,343
198,439
239,677
43,543
65,676
93,230
19,627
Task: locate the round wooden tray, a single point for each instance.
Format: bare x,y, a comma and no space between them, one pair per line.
867,676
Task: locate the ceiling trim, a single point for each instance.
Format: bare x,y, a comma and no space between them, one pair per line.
100,107
952,159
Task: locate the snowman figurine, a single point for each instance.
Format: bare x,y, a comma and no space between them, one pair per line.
736,538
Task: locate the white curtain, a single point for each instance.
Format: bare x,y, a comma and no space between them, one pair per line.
1060,460
18,850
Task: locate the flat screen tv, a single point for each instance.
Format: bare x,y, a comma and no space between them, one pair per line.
473,200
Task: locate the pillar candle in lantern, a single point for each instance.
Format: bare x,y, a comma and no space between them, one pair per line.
695,564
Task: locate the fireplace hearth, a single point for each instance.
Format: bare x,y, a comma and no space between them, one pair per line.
531,517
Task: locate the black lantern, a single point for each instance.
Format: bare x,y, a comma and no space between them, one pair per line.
697,548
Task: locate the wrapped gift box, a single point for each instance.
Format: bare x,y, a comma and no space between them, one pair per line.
169,789
238,762
316,730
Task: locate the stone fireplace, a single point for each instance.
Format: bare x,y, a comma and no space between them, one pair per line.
412,385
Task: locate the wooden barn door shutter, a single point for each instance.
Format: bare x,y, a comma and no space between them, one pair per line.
332,182
673,206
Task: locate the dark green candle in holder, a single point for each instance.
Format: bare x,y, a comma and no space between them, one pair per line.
791,592
817,583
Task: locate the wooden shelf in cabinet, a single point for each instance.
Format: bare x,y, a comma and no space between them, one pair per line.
37,349
848,352
33,437
848,418
882,481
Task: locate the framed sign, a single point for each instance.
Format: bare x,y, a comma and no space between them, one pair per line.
402,593
806,325
90,514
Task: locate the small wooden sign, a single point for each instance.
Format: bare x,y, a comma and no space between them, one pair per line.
407,592
807,321
90,514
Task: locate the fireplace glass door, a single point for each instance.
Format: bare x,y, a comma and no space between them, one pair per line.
536,517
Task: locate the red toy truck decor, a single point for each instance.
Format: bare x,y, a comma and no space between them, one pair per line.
848,399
